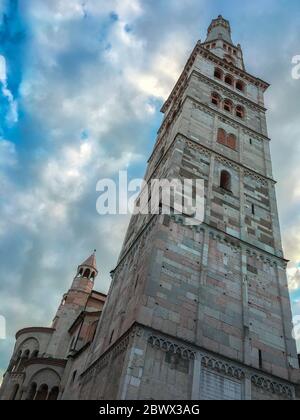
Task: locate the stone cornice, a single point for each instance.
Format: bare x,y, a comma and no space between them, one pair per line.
42,330
272,386
218,364
230,162
171,347
228,92
190,351
236,243
199,49
215,110
46,361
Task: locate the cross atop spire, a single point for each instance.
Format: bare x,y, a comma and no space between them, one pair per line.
219,29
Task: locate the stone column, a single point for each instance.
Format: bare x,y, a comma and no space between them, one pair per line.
248,387
196,388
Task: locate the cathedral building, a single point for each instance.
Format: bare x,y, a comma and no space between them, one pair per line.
46,361
194,312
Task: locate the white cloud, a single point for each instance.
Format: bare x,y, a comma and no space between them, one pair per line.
12,116
2,69
294,278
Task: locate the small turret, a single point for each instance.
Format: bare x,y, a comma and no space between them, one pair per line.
88,269
219,29
86,275
219,42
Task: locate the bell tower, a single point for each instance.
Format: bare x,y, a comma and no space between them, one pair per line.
203,312
72,304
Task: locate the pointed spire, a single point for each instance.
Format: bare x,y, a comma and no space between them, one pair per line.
219,29
91,261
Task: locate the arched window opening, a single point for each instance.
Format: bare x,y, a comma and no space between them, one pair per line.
53,394
93,276
240,86
42,393
221,136
35,354
240,112
87,274
215,99
15,392
218,74
228,107
231,141
80,273
225,181
32,392
229,80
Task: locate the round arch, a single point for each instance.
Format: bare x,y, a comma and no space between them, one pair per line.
46,376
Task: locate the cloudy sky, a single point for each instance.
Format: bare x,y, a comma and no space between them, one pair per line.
81,86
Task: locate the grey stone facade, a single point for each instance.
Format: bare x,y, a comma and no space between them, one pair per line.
194,312
203,312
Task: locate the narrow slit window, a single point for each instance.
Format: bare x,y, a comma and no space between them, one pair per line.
260,359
